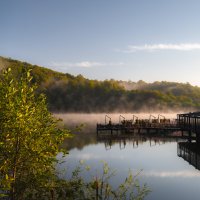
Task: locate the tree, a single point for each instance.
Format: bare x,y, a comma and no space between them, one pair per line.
29,139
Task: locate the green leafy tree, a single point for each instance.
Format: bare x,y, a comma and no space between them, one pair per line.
29,139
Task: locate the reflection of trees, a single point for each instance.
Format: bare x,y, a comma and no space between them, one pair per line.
81,138
87,136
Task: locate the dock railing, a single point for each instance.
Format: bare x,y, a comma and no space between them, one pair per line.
190,122
136,124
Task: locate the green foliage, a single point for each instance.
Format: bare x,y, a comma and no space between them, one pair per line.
99,186
29,139
67,93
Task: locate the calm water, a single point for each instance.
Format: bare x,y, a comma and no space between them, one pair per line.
168,175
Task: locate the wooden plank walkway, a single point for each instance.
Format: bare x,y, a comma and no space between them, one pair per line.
147,127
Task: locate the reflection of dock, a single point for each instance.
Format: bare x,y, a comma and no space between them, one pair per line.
173,136
190,152
136,139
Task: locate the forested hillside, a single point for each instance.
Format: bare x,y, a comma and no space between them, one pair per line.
68,93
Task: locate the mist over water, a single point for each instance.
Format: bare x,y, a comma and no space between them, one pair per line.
168,175
91,119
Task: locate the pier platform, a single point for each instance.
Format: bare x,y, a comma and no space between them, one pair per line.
137,128
135,125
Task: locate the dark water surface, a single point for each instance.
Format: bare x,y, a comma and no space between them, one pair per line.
168,175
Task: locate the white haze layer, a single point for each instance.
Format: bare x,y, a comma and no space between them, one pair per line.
94,118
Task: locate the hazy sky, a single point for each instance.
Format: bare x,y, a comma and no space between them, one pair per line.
152,40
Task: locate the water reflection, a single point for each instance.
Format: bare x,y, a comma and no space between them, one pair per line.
172,174
167,174
190,152
134,140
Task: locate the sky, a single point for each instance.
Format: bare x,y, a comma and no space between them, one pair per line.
150,40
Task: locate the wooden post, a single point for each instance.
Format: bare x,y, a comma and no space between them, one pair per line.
198,138
195,124
190,135
190,127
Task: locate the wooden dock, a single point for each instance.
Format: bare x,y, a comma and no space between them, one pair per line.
137,128
188,123
139,125
191,123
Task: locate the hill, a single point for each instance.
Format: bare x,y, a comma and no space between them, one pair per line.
68,93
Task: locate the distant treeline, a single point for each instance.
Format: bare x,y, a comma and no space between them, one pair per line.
67,93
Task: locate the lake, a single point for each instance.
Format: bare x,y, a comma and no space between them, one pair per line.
160,160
